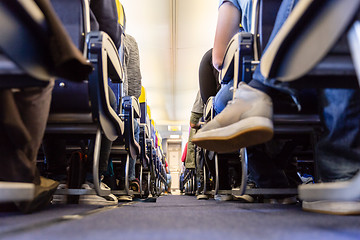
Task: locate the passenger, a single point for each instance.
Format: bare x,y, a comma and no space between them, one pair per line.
133,88
263,169
259,119
193,160
209,86
23,117
182,169
247,120
196,114
168,179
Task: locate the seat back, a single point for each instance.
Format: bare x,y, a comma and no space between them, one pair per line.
84,107
71,97
307,36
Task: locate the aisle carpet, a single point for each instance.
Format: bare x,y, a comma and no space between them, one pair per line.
180,217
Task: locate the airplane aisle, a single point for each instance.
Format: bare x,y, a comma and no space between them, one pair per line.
178,217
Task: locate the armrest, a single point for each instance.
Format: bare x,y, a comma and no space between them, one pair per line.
114,67
133,102
146,129
209,109
99,45
131,110
142,141
238,57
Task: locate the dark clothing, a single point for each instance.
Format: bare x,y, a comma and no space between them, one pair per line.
208,77
24,113
29,112
104,17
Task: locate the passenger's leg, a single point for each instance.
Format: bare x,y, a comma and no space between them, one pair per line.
30,107
338,152
224,95
208,77
19,158
248,120
199,170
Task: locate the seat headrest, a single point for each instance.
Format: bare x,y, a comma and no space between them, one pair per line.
142,97
148,111
121,14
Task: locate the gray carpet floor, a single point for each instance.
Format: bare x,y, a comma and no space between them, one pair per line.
178,217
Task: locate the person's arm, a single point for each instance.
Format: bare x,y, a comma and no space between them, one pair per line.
227,25
194,120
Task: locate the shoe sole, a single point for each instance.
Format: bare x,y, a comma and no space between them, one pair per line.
245,133
331,207
125,198
202,197
244,198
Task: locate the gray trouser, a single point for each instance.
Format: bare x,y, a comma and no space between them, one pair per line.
21,137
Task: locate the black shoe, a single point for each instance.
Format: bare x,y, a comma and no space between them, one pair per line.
42,197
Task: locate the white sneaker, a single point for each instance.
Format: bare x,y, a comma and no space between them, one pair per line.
109,200
244,198
88,199
245,121
332,207
202,197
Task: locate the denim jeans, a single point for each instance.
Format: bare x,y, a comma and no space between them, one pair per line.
224,95
338,151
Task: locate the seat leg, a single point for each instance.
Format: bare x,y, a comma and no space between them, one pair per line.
244,170
141,180
100,191
127,174
217,180
205,179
